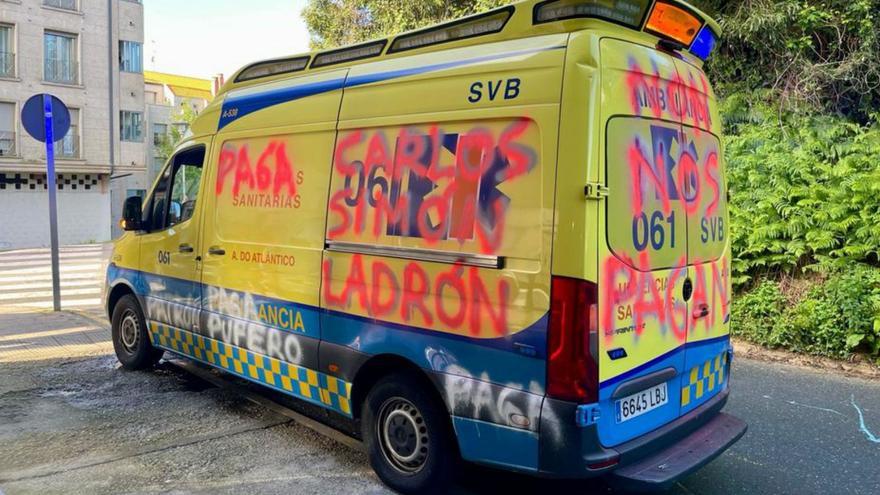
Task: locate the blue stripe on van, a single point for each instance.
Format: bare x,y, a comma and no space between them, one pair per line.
489,360
384,76
640,369
505,358
236,107
612,433
498,445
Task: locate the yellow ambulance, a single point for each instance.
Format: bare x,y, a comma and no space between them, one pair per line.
502,240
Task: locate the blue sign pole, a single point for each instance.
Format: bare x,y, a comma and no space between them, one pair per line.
53,204
44,117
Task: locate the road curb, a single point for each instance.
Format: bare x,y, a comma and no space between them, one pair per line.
755,352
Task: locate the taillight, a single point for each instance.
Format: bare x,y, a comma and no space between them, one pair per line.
572,363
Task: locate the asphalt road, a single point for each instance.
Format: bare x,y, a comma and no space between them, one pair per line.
86,426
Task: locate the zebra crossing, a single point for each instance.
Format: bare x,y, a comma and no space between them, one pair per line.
26,278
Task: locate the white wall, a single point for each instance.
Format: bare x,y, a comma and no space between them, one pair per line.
24,218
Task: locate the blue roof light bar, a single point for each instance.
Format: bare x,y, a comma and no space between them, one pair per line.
704,44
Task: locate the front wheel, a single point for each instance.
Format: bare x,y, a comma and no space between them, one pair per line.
131,340
408,436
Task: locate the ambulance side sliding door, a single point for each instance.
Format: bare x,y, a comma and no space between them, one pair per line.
264,228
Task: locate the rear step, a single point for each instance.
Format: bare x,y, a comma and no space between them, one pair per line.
659,471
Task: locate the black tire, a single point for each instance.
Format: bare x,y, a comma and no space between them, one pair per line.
418,427
131,340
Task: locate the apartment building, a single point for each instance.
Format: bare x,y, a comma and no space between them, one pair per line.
170,99
89,53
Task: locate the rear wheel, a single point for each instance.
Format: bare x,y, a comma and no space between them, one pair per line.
131,341
408,436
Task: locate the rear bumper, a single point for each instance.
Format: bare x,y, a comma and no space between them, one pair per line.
659,471
704,430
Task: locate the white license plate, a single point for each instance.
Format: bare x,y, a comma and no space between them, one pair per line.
640,403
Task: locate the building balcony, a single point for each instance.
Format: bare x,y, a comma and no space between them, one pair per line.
61,71
7,144
7,64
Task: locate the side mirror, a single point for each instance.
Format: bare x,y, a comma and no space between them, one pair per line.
131,214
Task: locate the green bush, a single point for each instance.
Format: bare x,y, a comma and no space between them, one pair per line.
835,316
755,313
804,191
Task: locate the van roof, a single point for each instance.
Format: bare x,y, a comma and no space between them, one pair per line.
517,20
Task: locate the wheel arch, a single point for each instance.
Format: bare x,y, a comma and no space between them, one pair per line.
382,365
117,292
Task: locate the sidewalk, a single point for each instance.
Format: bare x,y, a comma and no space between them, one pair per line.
39,336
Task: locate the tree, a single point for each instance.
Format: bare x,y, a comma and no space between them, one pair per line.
181,120
335,23
805,56
800,55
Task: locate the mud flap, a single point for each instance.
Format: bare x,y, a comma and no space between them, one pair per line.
658,472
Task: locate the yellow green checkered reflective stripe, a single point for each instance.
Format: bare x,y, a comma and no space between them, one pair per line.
305,383
704,379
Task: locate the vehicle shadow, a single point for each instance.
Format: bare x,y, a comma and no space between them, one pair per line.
482,480
474,479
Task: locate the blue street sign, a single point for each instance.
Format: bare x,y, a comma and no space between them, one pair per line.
33,118
46,118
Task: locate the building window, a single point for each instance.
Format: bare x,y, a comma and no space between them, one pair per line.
160,134
131,57
68,146
7,50
61,4
131,126
159,162
7,129
61,64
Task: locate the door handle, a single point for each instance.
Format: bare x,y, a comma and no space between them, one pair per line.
216,251
702,311
186,248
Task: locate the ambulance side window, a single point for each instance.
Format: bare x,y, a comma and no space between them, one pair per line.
174,199
155,214
185,185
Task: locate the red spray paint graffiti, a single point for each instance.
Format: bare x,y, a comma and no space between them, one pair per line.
685,101
672,175
640,295
681,178
455,298
413,191
270,181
